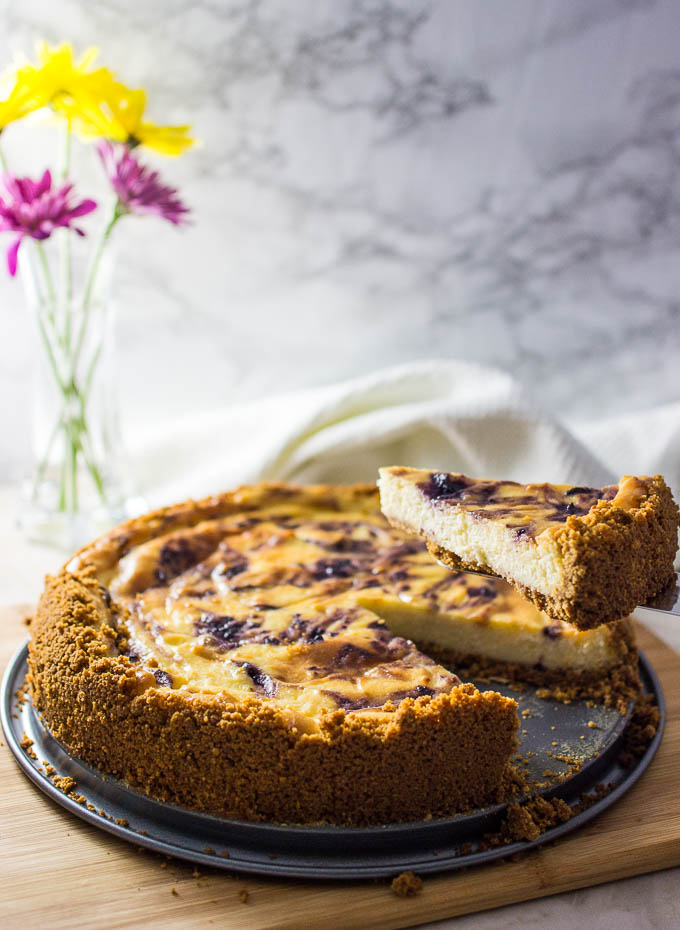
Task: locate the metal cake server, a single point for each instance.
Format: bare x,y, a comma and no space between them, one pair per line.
668,600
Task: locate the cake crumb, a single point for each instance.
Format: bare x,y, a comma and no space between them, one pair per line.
27,745
174,891
592,724
528,821
65,784
640,731
243,895
224,854
406,885
122,822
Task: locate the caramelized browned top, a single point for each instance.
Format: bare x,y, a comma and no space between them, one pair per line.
273,602
528,509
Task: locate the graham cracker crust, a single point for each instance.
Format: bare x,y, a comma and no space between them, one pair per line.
243,760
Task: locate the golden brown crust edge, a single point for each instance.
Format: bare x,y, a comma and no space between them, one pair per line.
614,559
435,756
105,551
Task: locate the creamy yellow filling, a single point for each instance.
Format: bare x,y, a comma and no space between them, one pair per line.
316,609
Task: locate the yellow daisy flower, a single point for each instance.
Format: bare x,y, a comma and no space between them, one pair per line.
56,76
116,112
167,140
20,103
94,103
57,73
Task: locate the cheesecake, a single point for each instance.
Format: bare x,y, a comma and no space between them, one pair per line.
586,556
216,655
283,654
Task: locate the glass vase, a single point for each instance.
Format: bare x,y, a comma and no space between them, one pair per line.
80,484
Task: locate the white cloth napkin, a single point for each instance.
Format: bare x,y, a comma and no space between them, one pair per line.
441,414
646,442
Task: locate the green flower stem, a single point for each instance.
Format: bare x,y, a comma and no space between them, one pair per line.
91,370
62,483
74,429
74,473
65,258
84,432
57,377
42,465
50,354
73,418
48,277
81,433
65,239
88,455
118,211
66,150
68,437
52,300
75,357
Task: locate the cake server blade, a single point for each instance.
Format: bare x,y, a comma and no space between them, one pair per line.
668,600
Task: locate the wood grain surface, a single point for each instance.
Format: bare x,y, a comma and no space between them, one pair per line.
60,872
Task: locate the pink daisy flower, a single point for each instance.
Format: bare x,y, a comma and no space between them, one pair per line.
33,208
139,190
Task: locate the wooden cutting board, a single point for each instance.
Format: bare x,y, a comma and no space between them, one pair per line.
60,872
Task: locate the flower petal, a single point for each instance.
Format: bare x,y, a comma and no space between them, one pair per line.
12,255
45,183
83,208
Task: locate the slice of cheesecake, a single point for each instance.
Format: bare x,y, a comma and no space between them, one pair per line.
583,555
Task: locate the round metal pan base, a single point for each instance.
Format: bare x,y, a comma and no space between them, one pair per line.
551,733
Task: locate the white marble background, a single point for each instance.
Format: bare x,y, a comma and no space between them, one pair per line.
384,180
